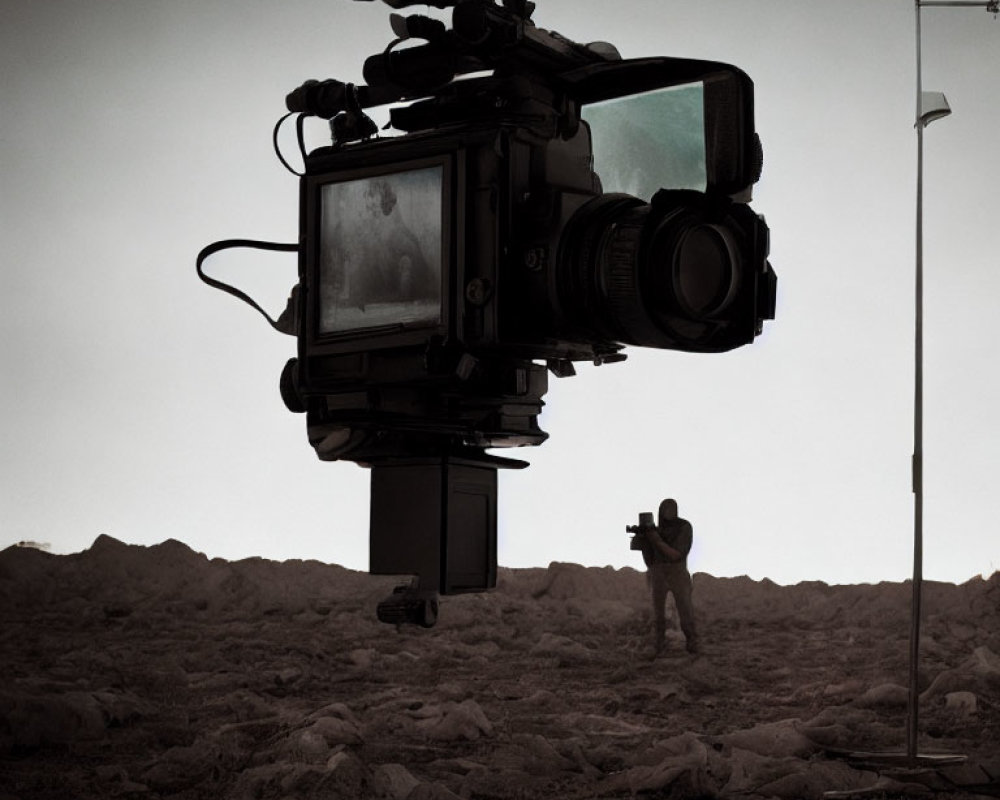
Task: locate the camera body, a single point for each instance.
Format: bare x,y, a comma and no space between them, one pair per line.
444,273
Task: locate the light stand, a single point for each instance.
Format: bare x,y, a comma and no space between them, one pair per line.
930,106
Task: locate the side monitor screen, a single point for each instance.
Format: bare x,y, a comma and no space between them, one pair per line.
685,123
644,142
380,251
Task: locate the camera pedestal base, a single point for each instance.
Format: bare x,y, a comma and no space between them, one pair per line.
435,518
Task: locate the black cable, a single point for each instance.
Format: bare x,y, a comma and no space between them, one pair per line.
228,244
277,149
301,137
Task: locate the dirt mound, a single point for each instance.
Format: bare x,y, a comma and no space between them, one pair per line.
155,671
122,578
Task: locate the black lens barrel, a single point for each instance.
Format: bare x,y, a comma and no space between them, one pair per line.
686,272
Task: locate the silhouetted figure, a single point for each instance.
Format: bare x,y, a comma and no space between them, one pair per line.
665,550
395,266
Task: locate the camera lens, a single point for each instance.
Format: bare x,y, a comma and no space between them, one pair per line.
703,271
675,274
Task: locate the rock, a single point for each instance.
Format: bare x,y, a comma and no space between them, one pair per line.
181,767
307,781
362,658
244,706
482,652
679,763
747,770
433,791
829,736
452,690
119,707
233,739
287,676
951,680
393,781
810,781
961,630
314,743
837,726
336,731
347,775
789,777
260,781
563,581
450,721
979,674
681,780
563,647
885,694
985,662
311,747
962,702
848,688
608,613
775,739
336,711
536,755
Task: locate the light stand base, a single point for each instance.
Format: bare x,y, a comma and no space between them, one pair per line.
921,769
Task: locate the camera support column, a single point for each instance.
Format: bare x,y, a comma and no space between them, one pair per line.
436,518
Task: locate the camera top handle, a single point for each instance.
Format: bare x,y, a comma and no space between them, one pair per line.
522,7
484,37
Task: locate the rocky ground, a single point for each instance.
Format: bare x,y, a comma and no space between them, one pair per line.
155,672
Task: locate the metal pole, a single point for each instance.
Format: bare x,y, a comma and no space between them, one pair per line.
913,698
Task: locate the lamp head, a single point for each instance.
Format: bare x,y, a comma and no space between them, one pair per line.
933,105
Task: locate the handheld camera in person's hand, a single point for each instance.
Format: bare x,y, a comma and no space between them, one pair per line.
546,202
641,531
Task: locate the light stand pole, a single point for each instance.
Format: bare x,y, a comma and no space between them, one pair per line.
929,107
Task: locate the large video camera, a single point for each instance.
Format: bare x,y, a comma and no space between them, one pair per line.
547,202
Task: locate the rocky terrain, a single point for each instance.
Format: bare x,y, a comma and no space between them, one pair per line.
154,672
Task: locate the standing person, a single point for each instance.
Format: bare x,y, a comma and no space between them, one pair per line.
665,549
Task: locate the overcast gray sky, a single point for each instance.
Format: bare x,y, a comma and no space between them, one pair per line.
135,401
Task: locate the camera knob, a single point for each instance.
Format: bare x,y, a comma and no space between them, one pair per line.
288,386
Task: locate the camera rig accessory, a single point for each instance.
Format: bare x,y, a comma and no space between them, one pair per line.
484,36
